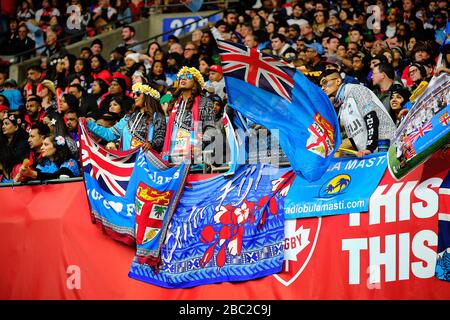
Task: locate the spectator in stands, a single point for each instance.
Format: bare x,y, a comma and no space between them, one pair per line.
398,103
25,12
129,42
86,53
231,19
281,48
56,161
319,24
36,137
47,92
104,16
96,47
72,116
188,106
44,14
117,89
365,119
157,71
417,74
34,113
98,67
52,47
9,165
207,47
68,102
216,81
151,49
115,107
83,71
190,55
33,79
144,125
15,136
55,121
314,52
383,77
89,106
445,65
23,43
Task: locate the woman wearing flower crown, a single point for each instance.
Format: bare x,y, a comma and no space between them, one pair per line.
15,136
56,161
188,109
144,125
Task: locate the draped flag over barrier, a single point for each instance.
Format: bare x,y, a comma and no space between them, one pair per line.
224,230
155,190
274,94
345,188
106,175
139,211
443,260
425,129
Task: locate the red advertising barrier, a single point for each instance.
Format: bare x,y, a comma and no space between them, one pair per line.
50,250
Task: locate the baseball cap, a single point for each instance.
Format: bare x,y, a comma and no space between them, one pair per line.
216,68
317,47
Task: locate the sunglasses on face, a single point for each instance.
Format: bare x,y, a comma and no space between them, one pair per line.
188,76
137,94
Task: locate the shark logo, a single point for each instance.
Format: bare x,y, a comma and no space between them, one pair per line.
300,241
335,186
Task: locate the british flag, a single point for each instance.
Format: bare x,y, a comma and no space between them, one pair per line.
421,130
112,169
259,69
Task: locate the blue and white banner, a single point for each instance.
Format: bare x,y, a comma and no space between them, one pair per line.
178,22
224,229
443,258
345,187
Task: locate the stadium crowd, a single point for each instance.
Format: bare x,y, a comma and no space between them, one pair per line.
380,54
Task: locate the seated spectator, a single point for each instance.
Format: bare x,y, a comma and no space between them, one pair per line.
89,106
52,47
23,44
58,127
44,14
9,165
314,54
281,48
96,47
118,90
398,103
83,71
56,161
72,116
36,137
157,71
129,41
47,92
68,102
15,136
104,16
445,66
25,12
190,55
34,113
365,119
383,78
99,71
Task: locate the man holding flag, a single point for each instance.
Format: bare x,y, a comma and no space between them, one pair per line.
274,94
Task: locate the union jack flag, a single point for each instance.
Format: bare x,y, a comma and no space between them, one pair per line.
420,131
112,169
259,69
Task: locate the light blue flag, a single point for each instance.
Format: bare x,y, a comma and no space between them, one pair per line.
274,94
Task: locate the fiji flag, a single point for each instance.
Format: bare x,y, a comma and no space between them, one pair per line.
274,94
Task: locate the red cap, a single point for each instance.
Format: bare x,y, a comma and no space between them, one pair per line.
3,107
216,68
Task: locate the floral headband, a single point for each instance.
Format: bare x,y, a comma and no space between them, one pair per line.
145,89
197,75
17,121
60,141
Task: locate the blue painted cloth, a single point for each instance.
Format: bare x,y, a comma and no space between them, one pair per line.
346,187
442,270
224,230
274,94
